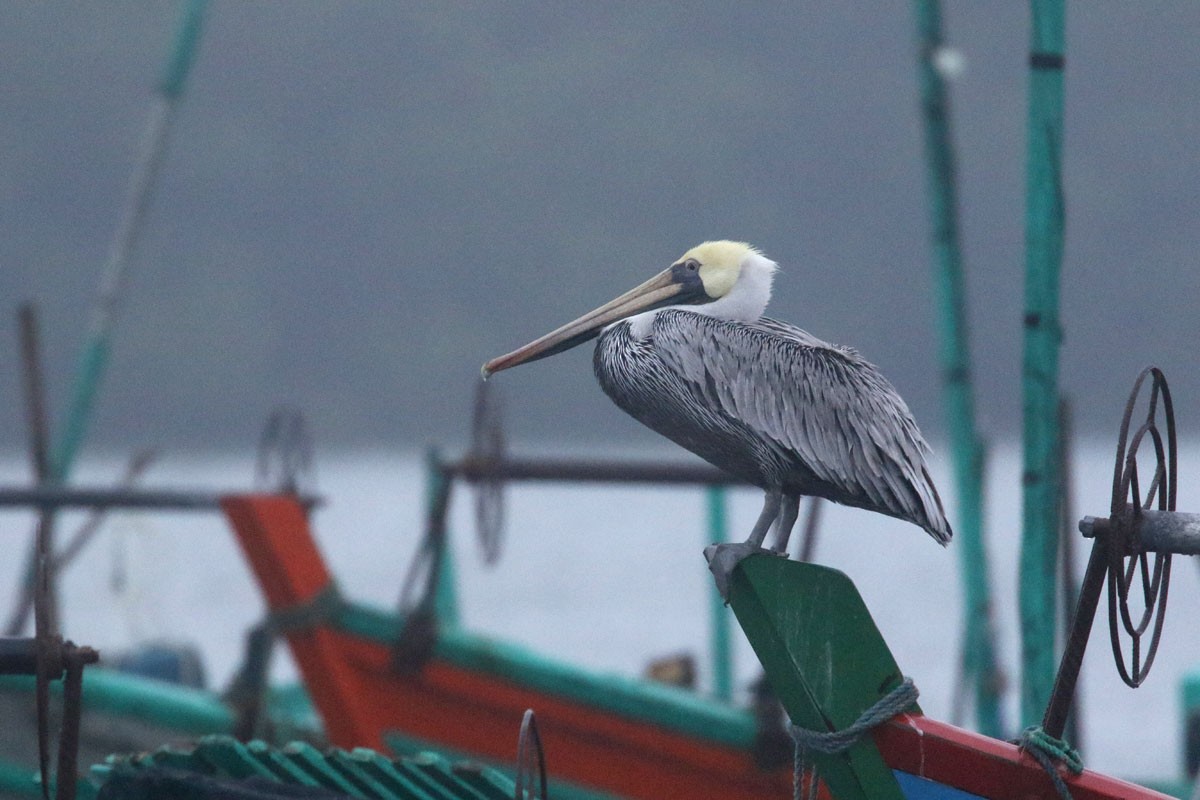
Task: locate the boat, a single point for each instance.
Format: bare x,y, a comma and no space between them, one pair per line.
407,683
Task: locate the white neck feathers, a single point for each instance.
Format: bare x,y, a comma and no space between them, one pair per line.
744,302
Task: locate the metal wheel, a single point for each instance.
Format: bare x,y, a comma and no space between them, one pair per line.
285,454
1138,615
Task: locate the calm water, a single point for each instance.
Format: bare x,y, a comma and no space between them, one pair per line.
607,578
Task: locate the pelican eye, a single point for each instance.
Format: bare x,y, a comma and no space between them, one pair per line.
691,265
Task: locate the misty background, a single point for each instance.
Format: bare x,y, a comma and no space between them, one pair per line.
362,202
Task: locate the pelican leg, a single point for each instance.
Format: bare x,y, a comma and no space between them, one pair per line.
785,523
722,558
769,513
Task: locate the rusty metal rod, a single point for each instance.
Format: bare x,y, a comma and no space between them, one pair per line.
1055,720
67,553
147,499
75,659
473,468
43,534
35,395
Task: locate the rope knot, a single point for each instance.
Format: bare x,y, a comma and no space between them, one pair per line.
1045,749
834,742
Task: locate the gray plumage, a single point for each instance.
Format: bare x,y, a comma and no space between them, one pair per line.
773,405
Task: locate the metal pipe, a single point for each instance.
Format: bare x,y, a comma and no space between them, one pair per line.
145,499
18,655
1152,531
473,468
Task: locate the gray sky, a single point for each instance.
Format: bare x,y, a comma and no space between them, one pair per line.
363,202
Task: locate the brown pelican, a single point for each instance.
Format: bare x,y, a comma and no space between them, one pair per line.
690,354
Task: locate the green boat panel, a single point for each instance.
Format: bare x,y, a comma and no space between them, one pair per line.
824,657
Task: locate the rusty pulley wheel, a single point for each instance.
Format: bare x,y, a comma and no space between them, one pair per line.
488,450
1137,580
285,454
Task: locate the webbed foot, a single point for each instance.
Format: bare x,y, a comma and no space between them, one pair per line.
722,558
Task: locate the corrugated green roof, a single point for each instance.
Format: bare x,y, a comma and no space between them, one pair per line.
359,773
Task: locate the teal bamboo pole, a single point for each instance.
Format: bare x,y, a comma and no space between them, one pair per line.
979,648
1043,264
113,279
722,652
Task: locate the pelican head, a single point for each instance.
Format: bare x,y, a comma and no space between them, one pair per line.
729,280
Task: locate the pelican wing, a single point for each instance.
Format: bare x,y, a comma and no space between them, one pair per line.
822,403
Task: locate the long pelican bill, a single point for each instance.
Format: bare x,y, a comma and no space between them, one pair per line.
661,290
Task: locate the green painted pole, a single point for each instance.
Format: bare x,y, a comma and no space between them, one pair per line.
979,649
722,652
113,279
1043,264
445,590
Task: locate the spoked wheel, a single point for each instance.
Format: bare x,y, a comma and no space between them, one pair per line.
1136,569
285,454
1137,583
488,450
